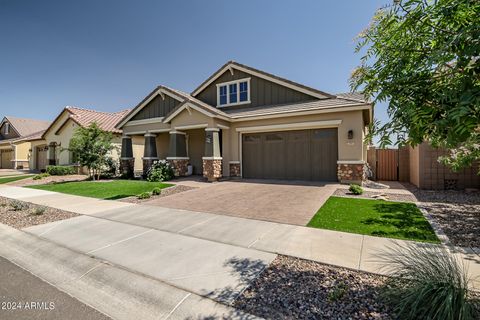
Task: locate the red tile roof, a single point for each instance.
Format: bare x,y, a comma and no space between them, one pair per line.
105,120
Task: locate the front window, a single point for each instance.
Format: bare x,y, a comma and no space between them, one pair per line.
233,93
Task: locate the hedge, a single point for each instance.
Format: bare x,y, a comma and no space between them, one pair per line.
60,170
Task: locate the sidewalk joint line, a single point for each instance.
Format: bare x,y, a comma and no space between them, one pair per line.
178,305
120,241
262,236
361,252
195,224
50,229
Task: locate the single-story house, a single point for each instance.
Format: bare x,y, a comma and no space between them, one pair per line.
244,122
16,138
50,149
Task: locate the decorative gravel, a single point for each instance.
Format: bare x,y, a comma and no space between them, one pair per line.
164,193
369,195
456,212
28,214
292,288
48,180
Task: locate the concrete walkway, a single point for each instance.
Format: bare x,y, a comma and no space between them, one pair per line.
117,231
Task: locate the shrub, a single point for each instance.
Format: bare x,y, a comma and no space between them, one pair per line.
18,205
41,176
156,191
60,170
160,170
144,195
428,282
38,211
355,189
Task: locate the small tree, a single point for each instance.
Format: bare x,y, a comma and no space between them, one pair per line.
92,146
423,59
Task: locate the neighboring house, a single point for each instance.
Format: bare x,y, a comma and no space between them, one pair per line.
56,138
243,122
16,138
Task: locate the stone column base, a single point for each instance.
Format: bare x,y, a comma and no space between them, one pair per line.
351,173
147,163
212,169
234,169
180,166
127,167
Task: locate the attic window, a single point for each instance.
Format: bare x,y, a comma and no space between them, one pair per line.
233,93
6,128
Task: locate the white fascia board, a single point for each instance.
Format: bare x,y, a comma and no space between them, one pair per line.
144,121
292,126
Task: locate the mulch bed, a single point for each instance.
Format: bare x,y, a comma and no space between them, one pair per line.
292,288
368,195
165,192
456,212
19,214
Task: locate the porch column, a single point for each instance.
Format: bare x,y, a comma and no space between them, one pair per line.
127,161
177,153
150,152
212,160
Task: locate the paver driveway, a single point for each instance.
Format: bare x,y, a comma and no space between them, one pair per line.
277,201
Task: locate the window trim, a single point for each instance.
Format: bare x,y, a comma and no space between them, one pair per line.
227,84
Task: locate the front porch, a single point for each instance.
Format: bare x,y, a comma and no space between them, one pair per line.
192,150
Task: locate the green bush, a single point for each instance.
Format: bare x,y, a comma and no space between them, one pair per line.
156,191
355,189
41,176
160,171
19,205
428,282
38,211
60,170
144,195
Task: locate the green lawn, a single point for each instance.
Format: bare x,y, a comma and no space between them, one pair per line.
109,190
389,219
15,178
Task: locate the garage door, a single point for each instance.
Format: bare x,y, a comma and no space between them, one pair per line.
6,157
41,158
291,155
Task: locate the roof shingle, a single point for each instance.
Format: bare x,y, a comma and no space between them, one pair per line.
105,120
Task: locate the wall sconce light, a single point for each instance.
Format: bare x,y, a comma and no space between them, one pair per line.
350,134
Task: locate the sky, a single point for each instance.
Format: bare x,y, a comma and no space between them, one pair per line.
108,55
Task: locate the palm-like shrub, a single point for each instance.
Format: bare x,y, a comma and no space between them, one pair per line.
428,282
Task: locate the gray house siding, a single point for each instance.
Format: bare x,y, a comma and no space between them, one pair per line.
262,92
157,108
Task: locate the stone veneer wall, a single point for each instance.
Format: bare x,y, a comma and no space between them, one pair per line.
212,169
147,163
127,167
180,166
349,173
234,170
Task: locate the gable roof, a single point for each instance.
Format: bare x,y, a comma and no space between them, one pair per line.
84,117
354,96
261,74
24,126
180,96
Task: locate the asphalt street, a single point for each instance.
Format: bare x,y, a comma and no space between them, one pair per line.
25,296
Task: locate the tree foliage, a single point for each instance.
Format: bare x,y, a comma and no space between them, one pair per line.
423,58
92,147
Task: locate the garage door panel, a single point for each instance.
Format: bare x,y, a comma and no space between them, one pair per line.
252,156
6,157
291,155
298,155
324,154
274,166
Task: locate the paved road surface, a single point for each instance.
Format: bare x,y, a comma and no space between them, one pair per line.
38,299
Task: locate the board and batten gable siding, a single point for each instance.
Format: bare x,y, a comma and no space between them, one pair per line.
158,107
12,134
262,92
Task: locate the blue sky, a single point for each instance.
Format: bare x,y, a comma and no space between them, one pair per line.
107,55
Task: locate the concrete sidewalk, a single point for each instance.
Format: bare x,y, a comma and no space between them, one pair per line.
337,248
115,292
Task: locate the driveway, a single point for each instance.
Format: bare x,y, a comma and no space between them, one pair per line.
278,201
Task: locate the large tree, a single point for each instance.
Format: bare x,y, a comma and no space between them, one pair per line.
423,59
92,147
